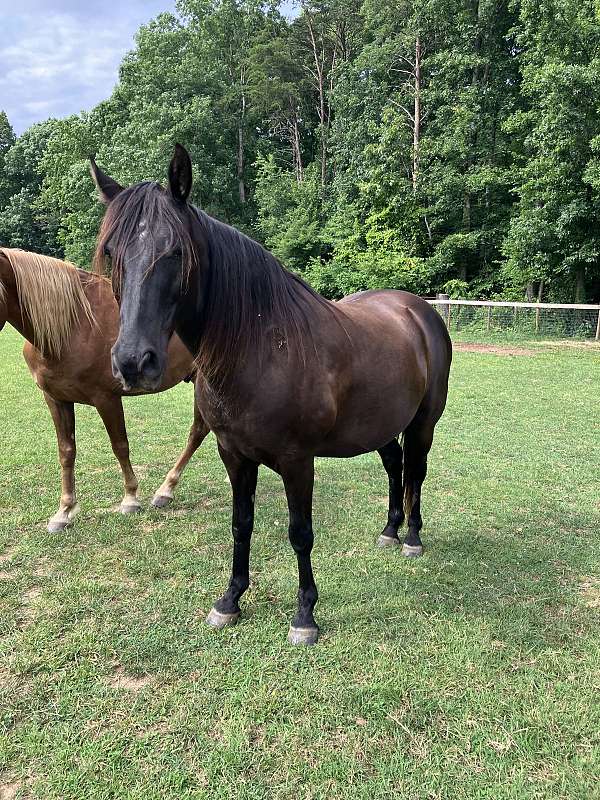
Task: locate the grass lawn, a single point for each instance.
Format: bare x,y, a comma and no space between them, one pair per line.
470,673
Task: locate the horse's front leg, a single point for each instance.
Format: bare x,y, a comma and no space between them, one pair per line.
298,479
63,416
242,474
198,433
111,413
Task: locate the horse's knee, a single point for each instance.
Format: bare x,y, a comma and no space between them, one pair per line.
121,451
67,453
301,538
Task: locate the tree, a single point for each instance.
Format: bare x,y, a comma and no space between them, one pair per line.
23,223
7,140
554,238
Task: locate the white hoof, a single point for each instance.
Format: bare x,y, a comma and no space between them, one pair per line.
412,550
218,620
62,520
130,508
388,541
305,636
161,500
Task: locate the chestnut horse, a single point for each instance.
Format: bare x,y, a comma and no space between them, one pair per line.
70,319
284,375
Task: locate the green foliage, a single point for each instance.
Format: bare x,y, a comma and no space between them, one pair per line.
288,217
7,139
387,143
23,221
468,674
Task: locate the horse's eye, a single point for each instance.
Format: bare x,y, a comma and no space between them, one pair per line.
106,251
177,252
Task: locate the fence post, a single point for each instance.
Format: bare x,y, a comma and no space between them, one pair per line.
445,309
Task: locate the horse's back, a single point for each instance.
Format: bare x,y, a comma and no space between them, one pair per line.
409,309
418,328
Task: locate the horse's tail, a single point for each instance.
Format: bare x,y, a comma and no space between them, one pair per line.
408,482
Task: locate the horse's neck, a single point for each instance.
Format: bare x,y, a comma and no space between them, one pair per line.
12,312
188,325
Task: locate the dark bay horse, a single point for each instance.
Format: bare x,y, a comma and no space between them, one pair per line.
70,320
284,375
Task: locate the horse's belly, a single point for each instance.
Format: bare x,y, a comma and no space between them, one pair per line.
364,429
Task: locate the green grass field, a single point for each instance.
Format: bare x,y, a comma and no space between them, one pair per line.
470,673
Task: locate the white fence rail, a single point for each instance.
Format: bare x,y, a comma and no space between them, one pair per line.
523,320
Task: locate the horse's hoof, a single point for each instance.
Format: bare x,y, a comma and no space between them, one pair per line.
216,619
388,541
61,521
161,500
57,525
412,550
305,636
130,508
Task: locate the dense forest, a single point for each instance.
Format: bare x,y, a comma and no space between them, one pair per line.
432,145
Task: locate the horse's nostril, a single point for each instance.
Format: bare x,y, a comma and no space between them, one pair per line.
148,362
116,371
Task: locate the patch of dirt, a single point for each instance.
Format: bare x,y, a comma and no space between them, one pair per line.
580,344
5,576
497,350
132,683
31,595
589,588
7,554
8,790
43,568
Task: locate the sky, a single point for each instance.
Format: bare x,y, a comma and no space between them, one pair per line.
60,57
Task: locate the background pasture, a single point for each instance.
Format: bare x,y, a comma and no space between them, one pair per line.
471,673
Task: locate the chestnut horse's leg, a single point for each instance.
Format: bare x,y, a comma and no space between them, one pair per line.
391,456
242,474
63,416
417,443
111,413
198,433
298,479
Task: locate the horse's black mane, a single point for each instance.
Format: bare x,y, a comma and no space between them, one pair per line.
250,300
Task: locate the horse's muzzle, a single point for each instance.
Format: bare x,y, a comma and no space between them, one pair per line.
137,371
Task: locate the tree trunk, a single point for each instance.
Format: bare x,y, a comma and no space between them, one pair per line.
417,115
540,293
240,154
323,110
529,292
240,164
296,152
580,285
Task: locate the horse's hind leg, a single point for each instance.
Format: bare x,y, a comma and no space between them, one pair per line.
391,457
198,433
417,443
111,413
63,416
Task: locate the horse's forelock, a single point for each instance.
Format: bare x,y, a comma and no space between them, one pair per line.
146,201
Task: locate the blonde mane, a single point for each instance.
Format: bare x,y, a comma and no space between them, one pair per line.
51,295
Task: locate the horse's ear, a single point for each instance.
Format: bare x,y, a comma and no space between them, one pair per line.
107,188
180,174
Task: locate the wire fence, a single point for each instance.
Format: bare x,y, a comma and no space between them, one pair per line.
519,320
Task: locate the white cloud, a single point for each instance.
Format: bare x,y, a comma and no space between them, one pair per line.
59,58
